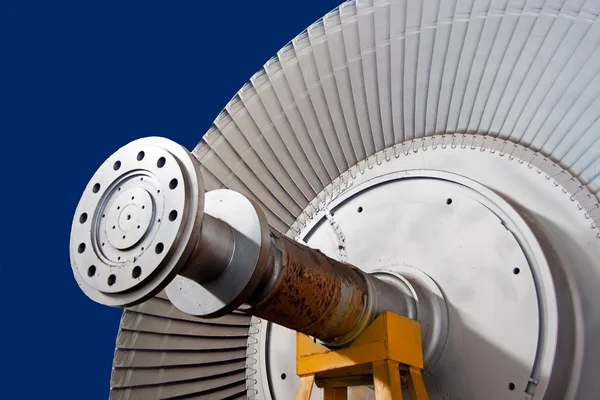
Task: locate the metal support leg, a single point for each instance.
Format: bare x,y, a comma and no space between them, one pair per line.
386,376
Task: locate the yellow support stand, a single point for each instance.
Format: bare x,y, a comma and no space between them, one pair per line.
388,348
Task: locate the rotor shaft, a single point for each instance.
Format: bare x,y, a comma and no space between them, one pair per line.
155,228
319,296
294,286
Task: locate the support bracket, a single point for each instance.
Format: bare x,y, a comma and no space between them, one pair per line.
388,353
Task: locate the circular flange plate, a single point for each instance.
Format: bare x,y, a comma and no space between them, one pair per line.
134,220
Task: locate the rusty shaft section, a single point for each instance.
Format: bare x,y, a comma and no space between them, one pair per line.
295,286
322,297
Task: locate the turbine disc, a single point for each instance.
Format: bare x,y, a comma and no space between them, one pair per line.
493,90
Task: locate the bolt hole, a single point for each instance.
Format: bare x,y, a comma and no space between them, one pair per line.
173,215
128,217
360,209
159,248
158,191
138,227
124,236
81,248
103,215
141,179
159,220
114,226
119,189
516,271
118,207
91,271
137,271
140,156
117,165
142,249
448,201
132,197
96,188
283,376
82,218
161,162
173,183
143,207
102,244
511,386
111,280
118,258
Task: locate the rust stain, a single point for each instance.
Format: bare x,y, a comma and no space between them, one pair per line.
314,294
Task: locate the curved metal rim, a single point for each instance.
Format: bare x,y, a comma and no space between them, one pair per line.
176,255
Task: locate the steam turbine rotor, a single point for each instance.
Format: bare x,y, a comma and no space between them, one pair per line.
437,159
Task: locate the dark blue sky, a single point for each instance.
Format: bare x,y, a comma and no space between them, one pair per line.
77,82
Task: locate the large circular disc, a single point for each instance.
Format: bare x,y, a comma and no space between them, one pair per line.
373,74
490,267
566,244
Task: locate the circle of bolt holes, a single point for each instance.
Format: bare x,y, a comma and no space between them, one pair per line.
159,174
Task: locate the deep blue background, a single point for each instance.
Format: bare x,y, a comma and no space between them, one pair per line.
77,81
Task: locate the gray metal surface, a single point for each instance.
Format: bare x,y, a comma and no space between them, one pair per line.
124,243
372,74
231,289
